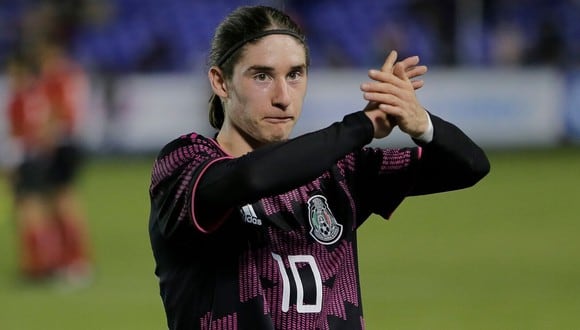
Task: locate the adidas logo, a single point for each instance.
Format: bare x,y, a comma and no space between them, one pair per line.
249,215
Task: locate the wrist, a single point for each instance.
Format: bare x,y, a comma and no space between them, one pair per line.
381,123
427,135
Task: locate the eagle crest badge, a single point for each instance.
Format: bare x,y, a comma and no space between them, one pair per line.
323,225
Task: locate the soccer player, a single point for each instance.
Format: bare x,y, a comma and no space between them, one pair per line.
66,86
43,116
253,230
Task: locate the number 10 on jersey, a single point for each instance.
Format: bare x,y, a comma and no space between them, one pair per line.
301,306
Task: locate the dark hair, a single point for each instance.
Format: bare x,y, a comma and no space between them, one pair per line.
243,23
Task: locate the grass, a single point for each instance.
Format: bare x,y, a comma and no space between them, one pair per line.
125,293
502,255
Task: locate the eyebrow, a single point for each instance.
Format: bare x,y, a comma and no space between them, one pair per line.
269,69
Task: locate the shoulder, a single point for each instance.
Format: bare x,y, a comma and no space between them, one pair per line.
189,145
189,150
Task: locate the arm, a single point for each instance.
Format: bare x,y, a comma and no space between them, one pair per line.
450,161
276,168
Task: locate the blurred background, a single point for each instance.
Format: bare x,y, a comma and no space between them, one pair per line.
507,71
503,255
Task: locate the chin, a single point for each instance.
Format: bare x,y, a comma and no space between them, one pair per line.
277,138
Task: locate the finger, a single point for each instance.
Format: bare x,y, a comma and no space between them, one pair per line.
390,61
382,87
410,61
399,70
394,113
417,84
386,77
416,71
406,65
382,98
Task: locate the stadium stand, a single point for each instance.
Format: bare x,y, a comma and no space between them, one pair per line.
173,35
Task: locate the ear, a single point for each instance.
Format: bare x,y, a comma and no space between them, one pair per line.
217,81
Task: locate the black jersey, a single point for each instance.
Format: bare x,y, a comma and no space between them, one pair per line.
282,261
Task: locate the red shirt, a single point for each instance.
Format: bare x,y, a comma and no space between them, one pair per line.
65,87
29,115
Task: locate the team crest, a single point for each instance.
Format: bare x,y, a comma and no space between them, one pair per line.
323,225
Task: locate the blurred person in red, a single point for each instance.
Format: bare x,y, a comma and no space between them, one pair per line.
45,103
28,113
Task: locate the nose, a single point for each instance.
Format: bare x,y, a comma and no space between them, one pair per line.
281,98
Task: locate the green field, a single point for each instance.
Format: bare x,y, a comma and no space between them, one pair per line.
503,255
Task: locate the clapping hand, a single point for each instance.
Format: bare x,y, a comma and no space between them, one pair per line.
392,98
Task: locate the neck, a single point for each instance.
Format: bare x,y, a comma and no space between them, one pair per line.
235,143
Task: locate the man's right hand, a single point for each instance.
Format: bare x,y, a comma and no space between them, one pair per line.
392,99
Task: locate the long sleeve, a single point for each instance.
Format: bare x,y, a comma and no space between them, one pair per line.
383,178
451,161
278,167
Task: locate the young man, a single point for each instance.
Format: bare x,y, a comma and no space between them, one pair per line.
251,230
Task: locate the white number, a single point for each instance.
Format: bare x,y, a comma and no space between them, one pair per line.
285,283
301,307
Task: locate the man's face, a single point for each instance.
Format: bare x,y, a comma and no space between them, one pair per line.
267,89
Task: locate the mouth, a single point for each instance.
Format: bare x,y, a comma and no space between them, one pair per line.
278,120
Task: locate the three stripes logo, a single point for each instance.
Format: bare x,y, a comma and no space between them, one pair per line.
249,215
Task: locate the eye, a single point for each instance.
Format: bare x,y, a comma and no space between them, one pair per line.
295,75
261,76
